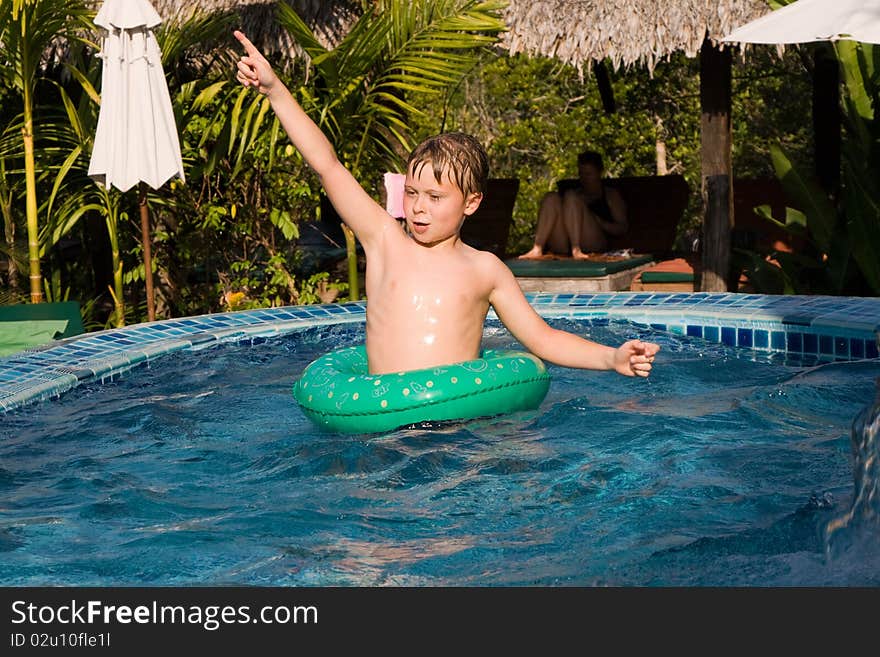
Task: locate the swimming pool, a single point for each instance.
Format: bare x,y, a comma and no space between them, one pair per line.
173,453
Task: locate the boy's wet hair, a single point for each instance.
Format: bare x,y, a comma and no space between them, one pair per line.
459,155
591,157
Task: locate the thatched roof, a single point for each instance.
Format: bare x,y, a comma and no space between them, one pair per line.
625,32
577,32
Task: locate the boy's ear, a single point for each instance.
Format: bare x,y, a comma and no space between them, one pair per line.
473,202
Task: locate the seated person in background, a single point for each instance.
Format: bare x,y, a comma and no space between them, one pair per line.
575,221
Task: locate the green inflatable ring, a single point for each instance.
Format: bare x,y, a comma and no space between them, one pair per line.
336,391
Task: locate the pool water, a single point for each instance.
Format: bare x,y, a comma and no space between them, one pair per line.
726,467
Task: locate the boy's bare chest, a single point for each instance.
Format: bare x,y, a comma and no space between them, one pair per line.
422,285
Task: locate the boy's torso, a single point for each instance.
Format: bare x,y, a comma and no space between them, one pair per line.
425,307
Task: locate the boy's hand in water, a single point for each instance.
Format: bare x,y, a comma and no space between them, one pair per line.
634,358
253,69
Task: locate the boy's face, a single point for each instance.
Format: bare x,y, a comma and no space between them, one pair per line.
435,211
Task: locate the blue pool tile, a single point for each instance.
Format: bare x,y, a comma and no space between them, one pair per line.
202,338
871,349
841,347
798,319
728,336
826,344
811,343
856,348
659,327
694,331
711,333
794,342
777,340
744,337
761,339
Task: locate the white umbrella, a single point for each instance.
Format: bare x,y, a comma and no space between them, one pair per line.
136,139
813,20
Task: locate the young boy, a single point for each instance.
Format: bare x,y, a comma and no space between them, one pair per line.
428,293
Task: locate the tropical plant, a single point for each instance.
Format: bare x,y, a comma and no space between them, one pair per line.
842,230
27,30
396,49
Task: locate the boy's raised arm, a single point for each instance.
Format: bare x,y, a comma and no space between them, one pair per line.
357,208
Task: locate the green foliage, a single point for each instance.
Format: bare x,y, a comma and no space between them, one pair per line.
842,231
393,51
535,115
228,237
27,30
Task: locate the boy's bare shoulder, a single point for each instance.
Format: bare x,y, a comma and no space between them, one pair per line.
482,258
488,265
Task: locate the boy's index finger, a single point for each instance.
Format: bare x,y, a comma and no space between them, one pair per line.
250,48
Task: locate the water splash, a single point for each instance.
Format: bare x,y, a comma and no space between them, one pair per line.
853,535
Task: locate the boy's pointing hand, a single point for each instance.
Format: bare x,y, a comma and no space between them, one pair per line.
253,69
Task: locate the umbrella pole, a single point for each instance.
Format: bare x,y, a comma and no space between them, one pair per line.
145,234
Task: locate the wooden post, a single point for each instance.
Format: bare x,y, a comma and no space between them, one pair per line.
606,91
717,179
145,237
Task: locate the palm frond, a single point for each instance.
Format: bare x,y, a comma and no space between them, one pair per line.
393,50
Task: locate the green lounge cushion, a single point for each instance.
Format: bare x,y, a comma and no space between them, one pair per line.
571,268
667,277
32,324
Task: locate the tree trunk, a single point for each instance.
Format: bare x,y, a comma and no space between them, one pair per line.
116,291
717,181
9,235
660,148
606,91
33,229
148,260
351,259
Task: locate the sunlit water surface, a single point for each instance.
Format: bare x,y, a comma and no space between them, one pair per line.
725,467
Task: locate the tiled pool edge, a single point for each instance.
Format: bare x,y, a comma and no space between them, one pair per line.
838,328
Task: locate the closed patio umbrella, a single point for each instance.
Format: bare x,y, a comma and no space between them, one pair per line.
136,139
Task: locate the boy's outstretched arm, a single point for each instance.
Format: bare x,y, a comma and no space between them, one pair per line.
357,208
632,358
